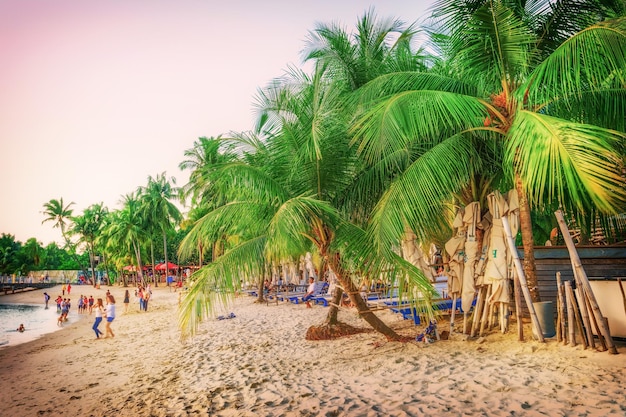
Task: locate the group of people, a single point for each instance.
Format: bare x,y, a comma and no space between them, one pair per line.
144,296
63,307
103,311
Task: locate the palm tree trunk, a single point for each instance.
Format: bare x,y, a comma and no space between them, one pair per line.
92,254
528,242
360,304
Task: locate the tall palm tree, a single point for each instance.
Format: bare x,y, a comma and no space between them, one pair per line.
282,208
203,159
157,209
88,227
127,229
379,46
61,214
530,95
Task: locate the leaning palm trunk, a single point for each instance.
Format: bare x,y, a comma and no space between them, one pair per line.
530,269
355,297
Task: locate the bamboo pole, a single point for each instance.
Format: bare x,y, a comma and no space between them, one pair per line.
579,323
585,283
560,330
595,324
486,309
570,315
584,312
522,279
480,301
518,307
452,313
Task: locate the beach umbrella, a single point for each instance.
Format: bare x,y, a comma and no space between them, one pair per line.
413,253
454,248
496,270
130,268
161,266
471,218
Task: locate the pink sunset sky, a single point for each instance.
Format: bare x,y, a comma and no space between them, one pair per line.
95,96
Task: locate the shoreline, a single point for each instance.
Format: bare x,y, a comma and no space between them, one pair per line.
259,364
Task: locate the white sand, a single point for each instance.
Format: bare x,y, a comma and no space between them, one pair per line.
259,364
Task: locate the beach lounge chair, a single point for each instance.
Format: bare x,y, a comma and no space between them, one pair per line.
320,288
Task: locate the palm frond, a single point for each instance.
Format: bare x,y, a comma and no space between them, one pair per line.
590,61
213,286
420,197
423,116
573,163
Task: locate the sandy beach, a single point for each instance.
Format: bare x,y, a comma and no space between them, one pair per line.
259,364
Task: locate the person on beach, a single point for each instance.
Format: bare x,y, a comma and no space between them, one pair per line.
63,288
110,314
69,288
146,298
21,328
100,313
91,302
309,292
59,300
126,301
46,298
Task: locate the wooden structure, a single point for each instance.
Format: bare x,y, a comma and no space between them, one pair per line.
600,263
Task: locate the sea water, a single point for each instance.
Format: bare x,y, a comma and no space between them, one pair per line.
37,321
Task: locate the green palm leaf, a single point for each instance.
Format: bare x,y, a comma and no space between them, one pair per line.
567,161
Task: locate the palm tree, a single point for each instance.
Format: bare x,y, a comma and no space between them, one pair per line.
206,156
378,47
127,229
530,95
157,209
280,207
88,227
61,215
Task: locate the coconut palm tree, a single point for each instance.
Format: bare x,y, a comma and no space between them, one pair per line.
87,227
127,229
61,214
529,95
157,210
280,207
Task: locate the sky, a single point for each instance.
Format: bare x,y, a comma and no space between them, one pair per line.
96,96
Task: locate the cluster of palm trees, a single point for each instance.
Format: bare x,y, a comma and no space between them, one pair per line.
381,140
121,236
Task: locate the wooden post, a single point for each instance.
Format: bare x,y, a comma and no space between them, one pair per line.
560,333
579,323
452,314
582,275
595,324
584,312
570,314
486,309
518,307
480,301
522,279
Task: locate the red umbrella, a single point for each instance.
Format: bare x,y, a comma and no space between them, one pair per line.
130,268
161,266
